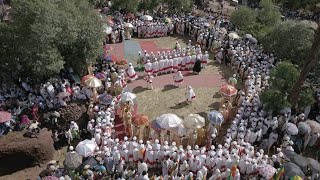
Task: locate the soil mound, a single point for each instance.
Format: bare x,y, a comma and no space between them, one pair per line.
74,112
18,152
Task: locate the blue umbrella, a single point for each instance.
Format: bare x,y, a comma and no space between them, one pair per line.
215,117
154,125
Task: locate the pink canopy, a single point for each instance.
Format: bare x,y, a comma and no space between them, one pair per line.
5,116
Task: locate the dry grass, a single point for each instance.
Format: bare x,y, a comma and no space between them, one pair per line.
172,100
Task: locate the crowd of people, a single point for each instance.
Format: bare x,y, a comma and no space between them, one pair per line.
245,148
240,155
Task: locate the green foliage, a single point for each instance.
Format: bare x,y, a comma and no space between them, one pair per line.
289,40
45,35
244,18
284,76
299,4
274,100
178,5
306,97
268,15
125,5
148,4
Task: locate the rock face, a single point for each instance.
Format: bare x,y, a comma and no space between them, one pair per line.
18,152
73,112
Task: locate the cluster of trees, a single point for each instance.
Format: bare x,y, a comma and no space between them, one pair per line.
256,22
143,5
48,35
295,43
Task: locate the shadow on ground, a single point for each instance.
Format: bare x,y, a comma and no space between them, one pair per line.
169,87
180,105
139,89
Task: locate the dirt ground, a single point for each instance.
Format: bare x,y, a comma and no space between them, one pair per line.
33,172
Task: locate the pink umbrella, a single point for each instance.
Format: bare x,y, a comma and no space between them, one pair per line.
50,178
5,116
228,91
267,171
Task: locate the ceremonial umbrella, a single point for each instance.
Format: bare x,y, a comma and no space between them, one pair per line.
228,91
101,76
223,30
130,16
233,36
296,178
206,25
194,121
291,169
289,154
110,58
122,64
5,116
167,20
248,36
301,161
63,94
86,148
267,171
215,117
127,96
140,120
181,130
50,178
168,121
314,165
146,18
91,81
73,160
304,128
290,128
128,25
314,125
91,162
107,29
253,40
155,126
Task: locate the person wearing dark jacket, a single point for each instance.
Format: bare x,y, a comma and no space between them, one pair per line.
197,67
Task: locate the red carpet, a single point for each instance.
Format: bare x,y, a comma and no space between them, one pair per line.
149,46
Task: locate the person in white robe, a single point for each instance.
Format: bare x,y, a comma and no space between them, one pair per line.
155,67
131,73
204,60
178,79
148,67
190,95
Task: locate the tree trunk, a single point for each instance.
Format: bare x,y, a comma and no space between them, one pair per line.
309,65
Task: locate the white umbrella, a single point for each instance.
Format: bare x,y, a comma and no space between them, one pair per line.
146,18
128,25
206,25
127,96
290,128
168,121
107,29
86,148
182,130
248,36
194,121
233,36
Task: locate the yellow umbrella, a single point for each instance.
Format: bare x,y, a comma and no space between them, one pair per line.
91,81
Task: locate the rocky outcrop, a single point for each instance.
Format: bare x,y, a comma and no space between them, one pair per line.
18,152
